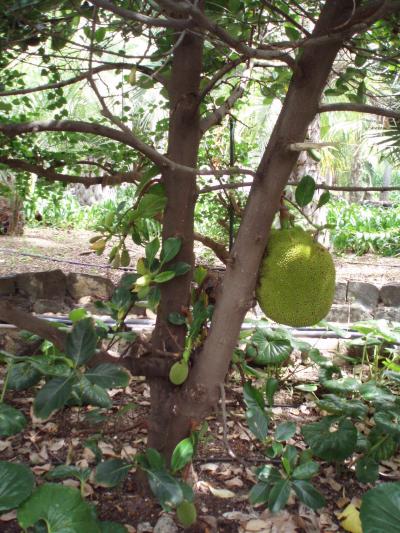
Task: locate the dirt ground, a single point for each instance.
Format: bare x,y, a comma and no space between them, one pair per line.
61,246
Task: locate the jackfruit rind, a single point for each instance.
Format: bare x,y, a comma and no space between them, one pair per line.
296,279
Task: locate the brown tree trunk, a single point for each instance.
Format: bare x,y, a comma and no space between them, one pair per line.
201,392
183,146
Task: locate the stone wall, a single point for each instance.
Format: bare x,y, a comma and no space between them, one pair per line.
356,300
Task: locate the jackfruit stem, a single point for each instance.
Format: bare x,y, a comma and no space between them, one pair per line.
284,215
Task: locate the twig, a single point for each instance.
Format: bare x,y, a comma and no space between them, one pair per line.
224,422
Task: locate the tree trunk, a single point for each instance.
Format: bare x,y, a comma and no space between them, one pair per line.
183,146
201,391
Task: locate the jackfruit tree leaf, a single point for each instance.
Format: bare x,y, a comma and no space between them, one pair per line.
165,488
52,396
257,421
16,485
151,250
69,471
108,376
62,508
170,249
165,276
112,527
87,393
305,190
285,431
177,319
305,470
12,421
324,199
279,495
180,268
308,494
330,438
252,396
259,493
342,406
182,454
22,376
81,341
149,206
112,472
380,509
367,470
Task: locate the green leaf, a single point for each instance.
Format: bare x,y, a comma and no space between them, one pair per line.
341,406
165,488
52,396
69,471
337,384
112,527
150,205
108,376
62,508
380,445
279,495
259,493
305,191
270,350
77,314
100,34
331,439
271,386
285,431
388,422
163,277
323,199
111,473
268,474
257,421
151,250
308,494
289,459
12,421
305,470
380,509
292,32
22,376
50,366
252,396
170,249
82,341
16,485
377,394
180,268
87,393
182,454
367,470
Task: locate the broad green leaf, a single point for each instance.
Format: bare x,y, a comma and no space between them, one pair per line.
82,341
163,277
379,395
271,386
252,396
62,508
305,191
331,439
151,250
270,351
367,470
150,205
108,376
22,376
16,485
388,422
180,268
52,396
289,458
308,494
170,249
341,406
155,459
268,474
50,366
182,454
77,314
87,393
279,495
380,446
177,319
112,527
259,493
380,509
338,384
12,421
324,199
165,488
305,470
68,471
257,421
111,473
285,431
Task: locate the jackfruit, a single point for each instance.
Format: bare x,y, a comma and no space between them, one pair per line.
296,279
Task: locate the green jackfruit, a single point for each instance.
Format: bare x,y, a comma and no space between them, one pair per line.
296,279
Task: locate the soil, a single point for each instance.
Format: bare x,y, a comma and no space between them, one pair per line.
61,246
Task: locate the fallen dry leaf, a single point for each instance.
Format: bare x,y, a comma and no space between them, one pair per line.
257,525
350,519
234,483
6,517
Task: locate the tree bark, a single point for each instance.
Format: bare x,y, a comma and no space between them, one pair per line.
201,391
178,221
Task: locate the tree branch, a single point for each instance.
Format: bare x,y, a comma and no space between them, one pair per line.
12,130
23,320
70,81
323,186
168,22
50,174
359,108
218,248
219,74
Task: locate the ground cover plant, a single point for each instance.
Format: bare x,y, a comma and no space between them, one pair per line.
194,62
